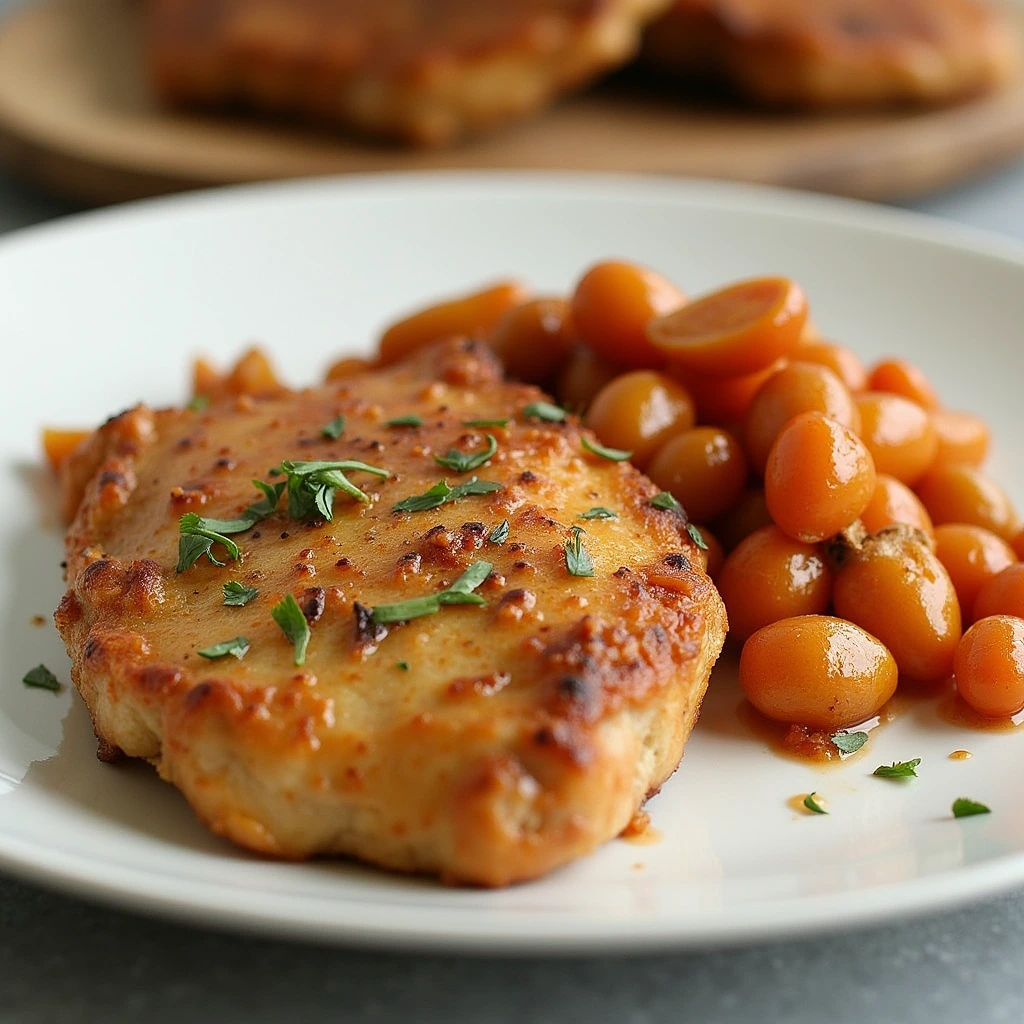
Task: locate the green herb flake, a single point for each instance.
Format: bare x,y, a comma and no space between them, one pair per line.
612,454
666,503
849,742
463,463
260,510
333,430
435,497
199,403
441,494
485,423
545,411
898,769
963,807
402,666
460,592
198,535
236,594
237,647
500,533
811,803
696,536
577,560
288,615
41,678
312,485
403,611
466,584
412,420
599,512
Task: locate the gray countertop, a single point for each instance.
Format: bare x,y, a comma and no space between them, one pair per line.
65,960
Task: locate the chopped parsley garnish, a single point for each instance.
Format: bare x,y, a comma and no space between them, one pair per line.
485,423
199,403
238,594
412,420
696,536
237,647
666,502
463,463
466,584
963,807
898,769
545,411
41,678
811,803
333,430
577,561
613,454
311,486
500,533
441,494
198,535
402,666
849,742
460,592
288,615
271,495
599,512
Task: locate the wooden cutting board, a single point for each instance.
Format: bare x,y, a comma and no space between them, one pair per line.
76,116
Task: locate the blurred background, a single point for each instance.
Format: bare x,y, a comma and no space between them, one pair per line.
105,100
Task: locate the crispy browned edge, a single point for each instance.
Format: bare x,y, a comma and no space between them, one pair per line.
619,704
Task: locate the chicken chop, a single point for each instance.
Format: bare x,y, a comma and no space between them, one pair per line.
834,53
471,678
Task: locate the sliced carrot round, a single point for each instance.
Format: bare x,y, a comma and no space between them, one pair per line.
59,444
739,329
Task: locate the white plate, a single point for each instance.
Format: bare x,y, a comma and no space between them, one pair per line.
102,310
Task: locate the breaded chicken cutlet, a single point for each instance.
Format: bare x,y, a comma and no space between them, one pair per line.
485,692
424,72
836,53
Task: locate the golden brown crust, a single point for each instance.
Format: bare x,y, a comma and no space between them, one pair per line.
422,71
823,53
520,736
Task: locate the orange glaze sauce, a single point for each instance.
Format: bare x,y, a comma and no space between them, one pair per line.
954,710
799,743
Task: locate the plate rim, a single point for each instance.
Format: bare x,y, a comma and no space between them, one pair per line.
465,931
803,203
399,927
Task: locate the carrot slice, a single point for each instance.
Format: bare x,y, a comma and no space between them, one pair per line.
737,330
472,315
206,378
253,374
348,366
723,400
59,444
